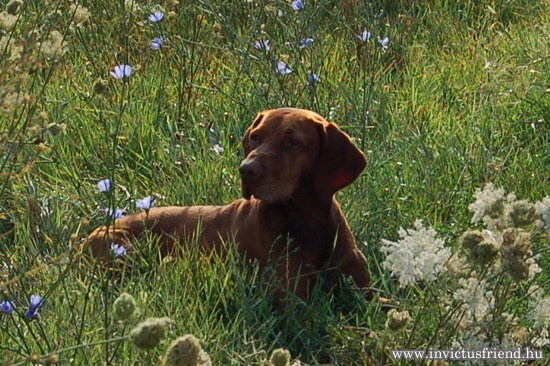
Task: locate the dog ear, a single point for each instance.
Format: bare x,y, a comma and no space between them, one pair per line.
246,145
339,162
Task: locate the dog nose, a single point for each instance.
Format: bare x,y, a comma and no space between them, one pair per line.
250,170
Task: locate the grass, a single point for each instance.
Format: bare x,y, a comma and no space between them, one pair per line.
459,99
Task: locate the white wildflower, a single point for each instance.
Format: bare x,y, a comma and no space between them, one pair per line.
418,256
491,207
543,210
533,267
540,315
541,312
477,300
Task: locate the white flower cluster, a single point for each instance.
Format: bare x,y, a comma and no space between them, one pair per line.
418,256
540,315
543,210
477,299
490,205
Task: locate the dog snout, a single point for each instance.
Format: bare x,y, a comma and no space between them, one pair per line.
250,170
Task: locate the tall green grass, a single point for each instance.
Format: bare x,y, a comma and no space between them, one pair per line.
459,99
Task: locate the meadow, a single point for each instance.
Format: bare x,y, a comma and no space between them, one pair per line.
449,100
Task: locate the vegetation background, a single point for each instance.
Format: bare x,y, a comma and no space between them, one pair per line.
455,97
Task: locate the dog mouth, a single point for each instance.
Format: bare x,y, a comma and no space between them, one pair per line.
264,192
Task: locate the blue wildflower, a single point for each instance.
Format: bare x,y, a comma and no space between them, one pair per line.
297,5
306,42
117,213
118,249
156,17
105,185
36,303
262,45
313,79
364,36
283,68
385,43
122,71
145,203
157,43
6,307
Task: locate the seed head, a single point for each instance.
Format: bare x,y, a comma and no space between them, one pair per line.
14,6
186,351
280,357
100,87
515,252
471,238
522,213
397,320
149,333
124,307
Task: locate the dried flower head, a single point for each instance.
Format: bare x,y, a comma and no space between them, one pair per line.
521,336
11,99
280,357
522,213
515,252
455,265
397,319
14,6
124,307
470,239
81,14
149,333
100,87
418,256
7,21
53,48
483,247
186,351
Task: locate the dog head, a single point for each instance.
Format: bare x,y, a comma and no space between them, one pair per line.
286,147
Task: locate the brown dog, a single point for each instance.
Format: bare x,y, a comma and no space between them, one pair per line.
295,162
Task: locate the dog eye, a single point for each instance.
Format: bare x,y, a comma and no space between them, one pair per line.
292,142
255,138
